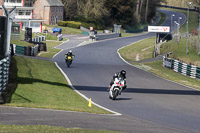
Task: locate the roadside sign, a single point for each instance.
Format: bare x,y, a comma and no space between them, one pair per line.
160,29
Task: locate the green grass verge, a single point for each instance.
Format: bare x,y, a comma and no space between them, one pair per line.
21,43
180,3
131,34
46,129
179,52
141,50
66,30
158,69
39,84
129,54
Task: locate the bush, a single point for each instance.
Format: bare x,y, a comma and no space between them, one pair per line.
73,24
62,23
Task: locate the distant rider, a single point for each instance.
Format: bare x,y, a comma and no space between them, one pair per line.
69,54
121,74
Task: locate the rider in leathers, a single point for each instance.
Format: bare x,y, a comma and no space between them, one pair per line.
121,74
69,54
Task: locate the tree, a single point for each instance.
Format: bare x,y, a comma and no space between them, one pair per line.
95,9
146,12
109,12
121,11
70,7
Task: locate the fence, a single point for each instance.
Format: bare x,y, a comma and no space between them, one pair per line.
183,68
4,73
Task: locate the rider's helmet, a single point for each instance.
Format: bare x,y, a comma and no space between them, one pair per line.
70,51
123,73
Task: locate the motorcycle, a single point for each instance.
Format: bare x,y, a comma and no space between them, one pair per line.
116,88
68,60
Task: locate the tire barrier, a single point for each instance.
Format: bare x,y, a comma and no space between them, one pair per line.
59,37
183,68
4,74
29,51
39,39
42,46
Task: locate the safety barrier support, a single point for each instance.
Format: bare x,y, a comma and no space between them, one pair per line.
4,74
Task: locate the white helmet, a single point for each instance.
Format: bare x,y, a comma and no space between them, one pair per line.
70,51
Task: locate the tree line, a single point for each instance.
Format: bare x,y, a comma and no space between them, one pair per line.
109,12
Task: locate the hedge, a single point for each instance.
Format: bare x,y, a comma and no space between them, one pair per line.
62,23
71,24
77,25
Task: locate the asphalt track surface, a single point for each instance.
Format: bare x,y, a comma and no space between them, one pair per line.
149,104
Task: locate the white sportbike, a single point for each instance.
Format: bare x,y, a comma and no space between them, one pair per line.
116,88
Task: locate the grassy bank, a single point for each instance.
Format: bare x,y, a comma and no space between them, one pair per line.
136,50
179,52
46,129
129,53
180,3
39,84
65,30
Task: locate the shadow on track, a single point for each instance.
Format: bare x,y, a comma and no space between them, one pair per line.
142,90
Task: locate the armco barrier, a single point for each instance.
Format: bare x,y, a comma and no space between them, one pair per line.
4,73
183,68
107,36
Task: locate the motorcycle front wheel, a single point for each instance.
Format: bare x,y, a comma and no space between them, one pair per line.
115,94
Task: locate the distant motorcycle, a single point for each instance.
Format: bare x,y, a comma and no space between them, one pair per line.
68,60
116,88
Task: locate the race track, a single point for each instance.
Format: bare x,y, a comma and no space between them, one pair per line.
147,97
149,104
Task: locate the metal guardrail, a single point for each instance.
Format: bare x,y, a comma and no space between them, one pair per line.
4,74
107,36
104,36
183,68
